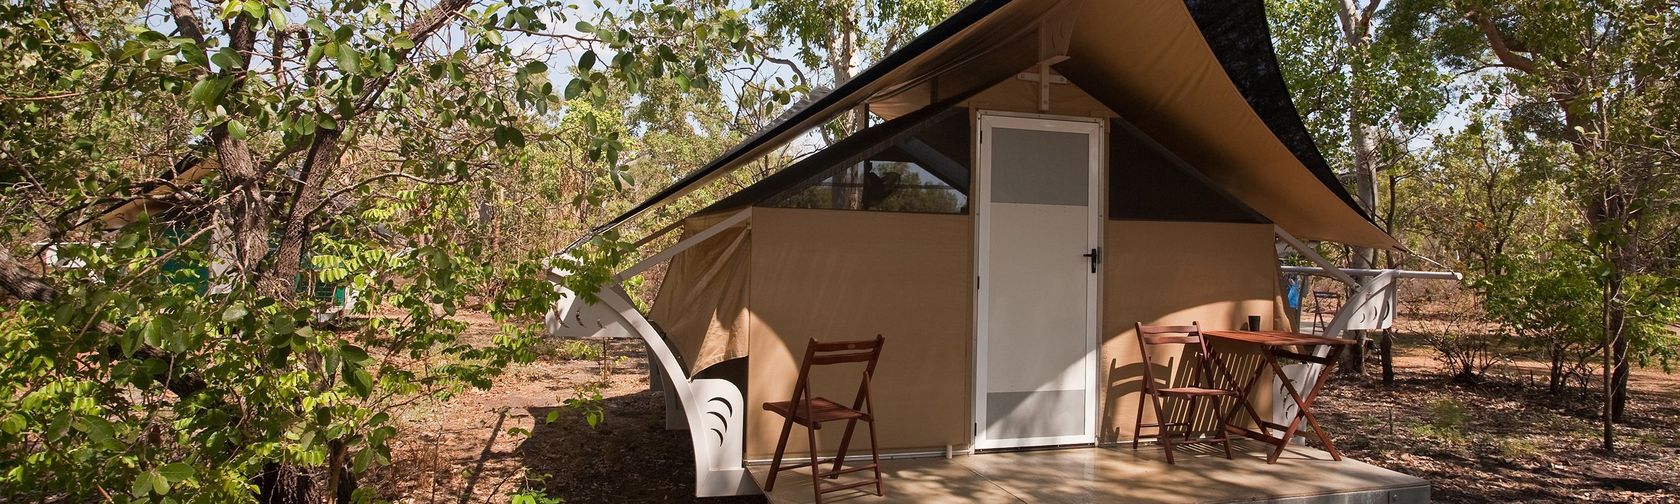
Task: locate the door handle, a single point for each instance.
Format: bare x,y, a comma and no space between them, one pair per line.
1096,258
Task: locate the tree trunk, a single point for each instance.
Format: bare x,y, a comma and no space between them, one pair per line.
1619,376
1356,33
1554,382
245,218
1609,338
307,195
1611,209
1388,357
1365,182
847,191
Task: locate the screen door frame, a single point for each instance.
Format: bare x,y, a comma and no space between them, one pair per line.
1095,128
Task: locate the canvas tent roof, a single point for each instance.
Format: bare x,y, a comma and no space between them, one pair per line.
1198,76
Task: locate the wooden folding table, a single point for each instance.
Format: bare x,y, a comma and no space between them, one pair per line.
1287,345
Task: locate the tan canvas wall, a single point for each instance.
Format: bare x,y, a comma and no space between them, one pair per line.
1173,273
702,303
839,275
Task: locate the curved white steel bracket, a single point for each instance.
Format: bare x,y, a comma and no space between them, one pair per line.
714,410
1370,307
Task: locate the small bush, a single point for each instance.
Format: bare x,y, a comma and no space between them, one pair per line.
534,496
1448,414
1445,419
1465,349
1549,300
576,349
1519,449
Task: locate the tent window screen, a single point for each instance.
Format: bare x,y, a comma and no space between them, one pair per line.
925,170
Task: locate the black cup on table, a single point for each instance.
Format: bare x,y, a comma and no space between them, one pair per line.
1253,322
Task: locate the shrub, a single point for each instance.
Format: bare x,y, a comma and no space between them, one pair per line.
1445,419
1548,300
577,349
1461,346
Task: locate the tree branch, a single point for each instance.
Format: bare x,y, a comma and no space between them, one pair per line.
21,283
421,29
791,66
1369,12
1501,48
383,176
186,22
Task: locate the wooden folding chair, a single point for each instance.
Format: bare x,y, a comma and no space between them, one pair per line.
1320,300
813,411
1201,388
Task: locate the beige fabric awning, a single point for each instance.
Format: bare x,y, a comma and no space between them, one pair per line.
702,303
1148,60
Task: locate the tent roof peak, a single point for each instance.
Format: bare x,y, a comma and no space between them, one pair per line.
1198,75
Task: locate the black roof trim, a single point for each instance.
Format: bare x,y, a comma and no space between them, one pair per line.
1241,39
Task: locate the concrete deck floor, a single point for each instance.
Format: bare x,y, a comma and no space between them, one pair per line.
1118,474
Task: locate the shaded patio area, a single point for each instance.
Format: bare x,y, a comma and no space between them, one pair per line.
1118,474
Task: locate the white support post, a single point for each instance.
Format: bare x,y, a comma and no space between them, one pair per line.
1313,256
685,244
1300,373
656,234
712,410
1365,273
715,410
943,167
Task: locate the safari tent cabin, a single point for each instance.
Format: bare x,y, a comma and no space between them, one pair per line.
1040,176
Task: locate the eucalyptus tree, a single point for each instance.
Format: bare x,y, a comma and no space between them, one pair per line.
1597,76
1365,92
170,354
831,39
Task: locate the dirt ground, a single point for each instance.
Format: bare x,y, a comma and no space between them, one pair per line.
1501,441
486,446
1507,440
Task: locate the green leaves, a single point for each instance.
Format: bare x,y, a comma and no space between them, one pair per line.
255,366
586,62
589,402
534,496
237,129
576,87
234,313
12,424
176,472
362,460
354,354
227,59
348,59
209,90
149,482
357,378
161,332
158,481
508,136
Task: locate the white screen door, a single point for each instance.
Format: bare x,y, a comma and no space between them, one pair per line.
1037,214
